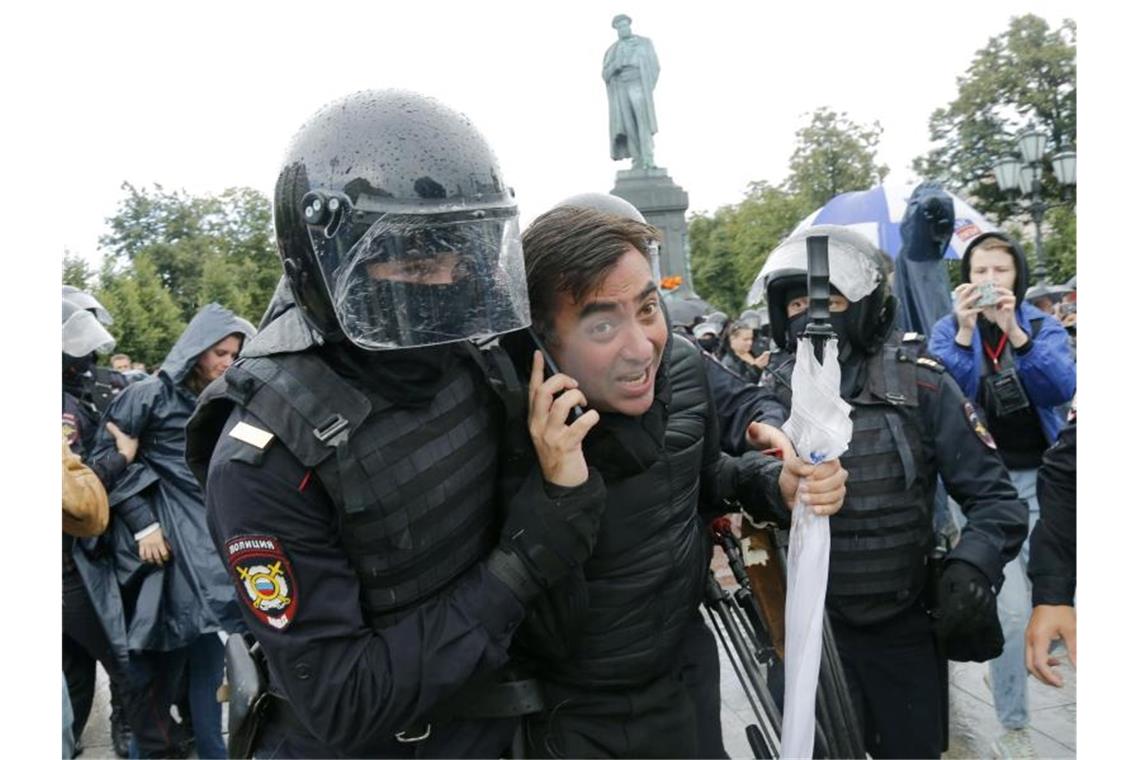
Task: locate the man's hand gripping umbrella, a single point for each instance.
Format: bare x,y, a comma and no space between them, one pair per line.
820,428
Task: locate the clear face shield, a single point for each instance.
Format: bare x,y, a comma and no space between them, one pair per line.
413,280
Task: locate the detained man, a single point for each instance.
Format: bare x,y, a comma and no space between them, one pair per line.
613,642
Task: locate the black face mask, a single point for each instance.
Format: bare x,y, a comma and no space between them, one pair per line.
74,368
708,343
841,323
851,364
406,377
796,325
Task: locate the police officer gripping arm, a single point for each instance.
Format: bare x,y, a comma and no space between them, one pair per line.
352,492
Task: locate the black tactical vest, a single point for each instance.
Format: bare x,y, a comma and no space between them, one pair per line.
647,572
414,486
882,535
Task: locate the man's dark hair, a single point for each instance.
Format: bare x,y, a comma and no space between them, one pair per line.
571,250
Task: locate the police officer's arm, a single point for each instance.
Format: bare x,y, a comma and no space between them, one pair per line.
1053,545
1053,559
351,686
974,474
129,481
739,404
752,479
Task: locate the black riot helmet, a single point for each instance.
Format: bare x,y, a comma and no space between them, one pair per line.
858,271
395,227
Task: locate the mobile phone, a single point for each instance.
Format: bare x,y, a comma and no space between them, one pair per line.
987,294
551,369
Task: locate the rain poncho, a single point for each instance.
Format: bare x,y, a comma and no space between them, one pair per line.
191,594
820,429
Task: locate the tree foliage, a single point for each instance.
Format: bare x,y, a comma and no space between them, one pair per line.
833,155
147,320
168,253
203,248
1026,74
76,271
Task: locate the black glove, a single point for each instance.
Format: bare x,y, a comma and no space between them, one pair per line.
968,628
549,534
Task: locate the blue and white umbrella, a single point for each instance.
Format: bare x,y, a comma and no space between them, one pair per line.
877,213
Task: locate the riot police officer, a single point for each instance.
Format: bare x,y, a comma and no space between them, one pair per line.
911,423
352,491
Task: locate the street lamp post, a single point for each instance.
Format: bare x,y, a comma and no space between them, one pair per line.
1024,176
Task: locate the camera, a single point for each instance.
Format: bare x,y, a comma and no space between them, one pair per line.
987,295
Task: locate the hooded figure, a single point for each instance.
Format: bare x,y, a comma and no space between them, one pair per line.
921,282
1044,364
173,585
1014,360
190,595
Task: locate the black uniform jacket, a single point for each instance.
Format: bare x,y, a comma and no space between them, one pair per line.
1053,545
971,468
354,688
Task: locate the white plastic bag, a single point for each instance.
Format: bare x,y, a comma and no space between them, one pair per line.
820,429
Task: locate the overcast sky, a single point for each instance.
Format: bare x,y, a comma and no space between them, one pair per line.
207,97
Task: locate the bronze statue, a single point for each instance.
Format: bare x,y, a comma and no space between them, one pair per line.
630,71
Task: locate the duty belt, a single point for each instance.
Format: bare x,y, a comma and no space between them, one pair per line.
501,699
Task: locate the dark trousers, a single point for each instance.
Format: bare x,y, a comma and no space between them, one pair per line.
161,677
656,720
893,671
700,672
85,643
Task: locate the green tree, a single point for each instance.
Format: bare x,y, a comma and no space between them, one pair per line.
76,271
834,155
729,248
1028,73
147,320
202,248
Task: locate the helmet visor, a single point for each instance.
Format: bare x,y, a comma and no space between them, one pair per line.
851,270
415,280
83,334
89,302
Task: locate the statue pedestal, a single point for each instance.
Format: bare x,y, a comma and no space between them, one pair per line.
663,204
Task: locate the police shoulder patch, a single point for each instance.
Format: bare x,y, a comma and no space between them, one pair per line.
254,436
975,423
926,361
264,578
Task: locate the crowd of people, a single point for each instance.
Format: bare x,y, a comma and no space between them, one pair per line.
451,497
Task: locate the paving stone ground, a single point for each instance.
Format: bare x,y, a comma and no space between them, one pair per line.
973,723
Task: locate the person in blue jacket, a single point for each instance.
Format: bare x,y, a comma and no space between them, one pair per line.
1014,360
